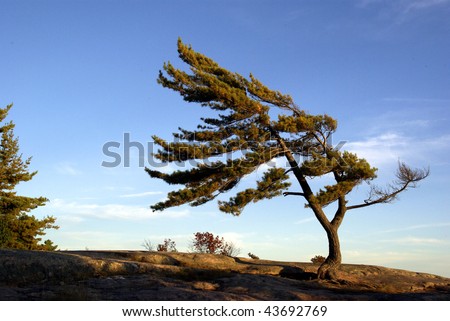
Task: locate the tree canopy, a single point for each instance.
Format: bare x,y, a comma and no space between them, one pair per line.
253,126
18,229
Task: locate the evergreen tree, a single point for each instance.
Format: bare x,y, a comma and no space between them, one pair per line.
18,229
257,125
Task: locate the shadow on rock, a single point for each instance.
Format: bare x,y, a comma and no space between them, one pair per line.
296,273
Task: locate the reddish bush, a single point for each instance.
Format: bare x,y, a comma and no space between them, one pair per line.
208,243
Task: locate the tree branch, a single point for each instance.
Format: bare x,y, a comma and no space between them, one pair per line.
293,193
406,178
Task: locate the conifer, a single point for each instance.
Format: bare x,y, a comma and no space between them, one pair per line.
257,125
18,229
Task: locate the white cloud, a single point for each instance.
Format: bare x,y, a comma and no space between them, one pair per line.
416,227
141,194
306,220
119,188
385,258
400,11
417,241
410,260
96,240
382,149
389,148
77,210
235,238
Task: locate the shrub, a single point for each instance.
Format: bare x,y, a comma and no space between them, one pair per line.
148,245
231,250
167,246
208,243
318,259
48,246
253,256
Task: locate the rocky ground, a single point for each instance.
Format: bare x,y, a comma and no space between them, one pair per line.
134,275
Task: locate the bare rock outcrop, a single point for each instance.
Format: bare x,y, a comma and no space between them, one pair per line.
137,275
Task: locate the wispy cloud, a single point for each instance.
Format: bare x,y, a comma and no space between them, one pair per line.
366,3
403,5
306,220
390,147
381,149
414,121
400,11
141,194
67,169
416,100
77,210
416,241
386,258
416,227
423,4
423,261
236,238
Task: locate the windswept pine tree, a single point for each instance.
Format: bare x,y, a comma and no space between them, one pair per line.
18,229
244,126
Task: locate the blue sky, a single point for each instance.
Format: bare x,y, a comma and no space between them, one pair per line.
83,73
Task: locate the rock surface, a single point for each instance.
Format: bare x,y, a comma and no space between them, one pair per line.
134,275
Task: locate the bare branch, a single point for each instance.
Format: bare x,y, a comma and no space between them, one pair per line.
289,170
407,177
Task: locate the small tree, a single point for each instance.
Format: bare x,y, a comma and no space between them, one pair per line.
18,229
256,125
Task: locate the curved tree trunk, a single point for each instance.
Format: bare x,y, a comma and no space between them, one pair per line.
329,268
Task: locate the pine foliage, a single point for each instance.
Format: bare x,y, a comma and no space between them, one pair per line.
243,125
18,229
253,126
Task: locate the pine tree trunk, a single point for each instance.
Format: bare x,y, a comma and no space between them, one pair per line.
329,268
